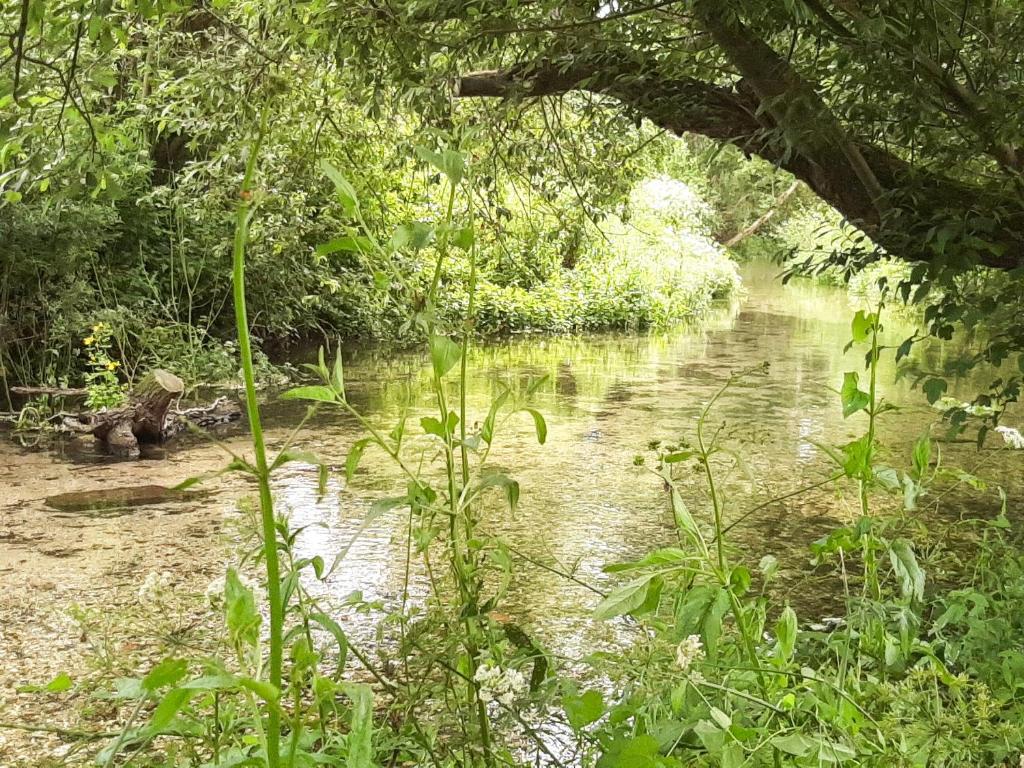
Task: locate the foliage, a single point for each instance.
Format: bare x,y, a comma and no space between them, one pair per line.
104,388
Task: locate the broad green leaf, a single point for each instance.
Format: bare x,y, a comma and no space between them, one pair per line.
796,744
169,706
908,571
853,398
417,235
862,324
444,354
167,672
584,709
359,244
934,388
629,598
317,393
242,617
499,480
59,684
463,238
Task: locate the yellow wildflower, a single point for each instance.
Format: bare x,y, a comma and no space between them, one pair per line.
89,340
112,365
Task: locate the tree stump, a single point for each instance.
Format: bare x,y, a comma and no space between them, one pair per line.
142,420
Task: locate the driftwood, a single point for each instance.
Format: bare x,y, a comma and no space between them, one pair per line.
52,391
142,420
149,416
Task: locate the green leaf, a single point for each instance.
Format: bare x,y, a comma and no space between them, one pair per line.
539,424
463,238
360,735
359,244
355,454
449,162
317,393
261,688
785,633
584,709
922,456
444,354
242,617
500,480
59,684
904,349
634,597
167,672
346,192
417,235
487,430
934,388
852,397
862,325
433,426
908,571
169,706
294,454
796,744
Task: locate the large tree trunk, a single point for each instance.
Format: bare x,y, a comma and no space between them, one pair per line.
772,113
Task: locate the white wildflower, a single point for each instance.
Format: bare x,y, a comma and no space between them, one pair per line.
1012,437
215,591
498,684
980,410
949,403
689,651
154,585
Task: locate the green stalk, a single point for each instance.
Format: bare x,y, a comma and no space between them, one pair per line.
242,219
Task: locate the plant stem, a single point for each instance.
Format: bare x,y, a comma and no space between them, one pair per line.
242,219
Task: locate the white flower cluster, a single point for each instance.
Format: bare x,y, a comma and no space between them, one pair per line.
689,651
498,684
972,409
1012,437
154,585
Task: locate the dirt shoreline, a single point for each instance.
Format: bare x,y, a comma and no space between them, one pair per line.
54,565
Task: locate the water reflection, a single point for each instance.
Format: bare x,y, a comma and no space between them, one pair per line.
584,503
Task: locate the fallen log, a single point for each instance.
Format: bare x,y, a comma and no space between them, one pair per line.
52,391
150,416
142,420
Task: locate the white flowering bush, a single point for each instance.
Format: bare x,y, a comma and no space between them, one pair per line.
500,684
1012,437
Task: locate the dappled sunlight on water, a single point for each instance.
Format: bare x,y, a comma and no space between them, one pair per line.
585,502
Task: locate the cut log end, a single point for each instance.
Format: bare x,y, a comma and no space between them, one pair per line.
143,419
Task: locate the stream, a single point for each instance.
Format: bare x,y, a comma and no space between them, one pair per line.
585,501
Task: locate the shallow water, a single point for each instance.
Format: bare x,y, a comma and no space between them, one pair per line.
584,502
